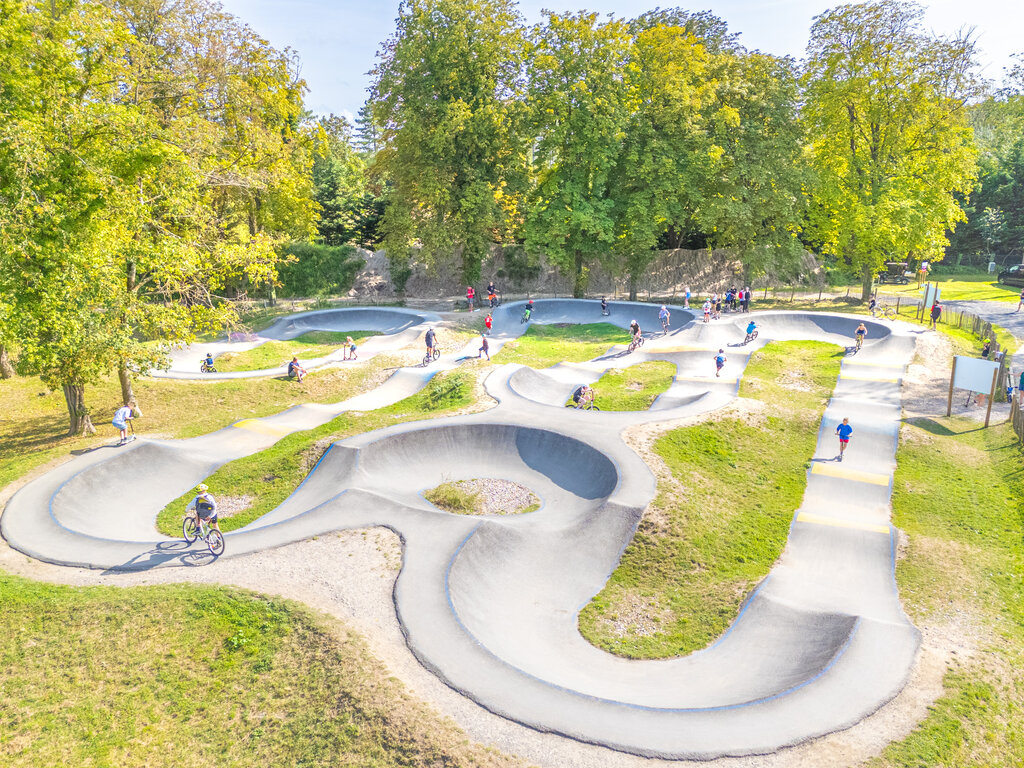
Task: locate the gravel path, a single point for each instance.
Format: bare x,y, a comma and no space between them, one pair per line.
499,497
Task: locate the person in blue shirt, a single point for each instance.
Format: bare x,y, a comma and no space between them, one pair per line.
751,327
664,316
719,362
844,431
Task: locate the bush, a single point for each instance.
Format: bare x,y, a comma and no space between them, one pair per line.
319,270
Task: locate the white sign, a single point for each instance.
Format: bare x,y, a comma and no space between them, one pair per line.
974,374
931,295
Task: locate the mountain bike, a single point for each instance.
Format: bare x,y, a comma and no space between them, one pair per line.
432,355
193,527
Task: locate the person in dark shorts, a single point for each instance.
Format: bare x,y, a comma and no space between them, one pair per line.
634,329
936,313
720,359
604,306
844,431
582,395
205,506
470,296
484,349
431,339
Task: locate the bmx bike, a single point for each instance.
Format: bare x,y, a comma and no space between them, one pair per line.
527,314
432,355
750,337
638,341
193,527
585,405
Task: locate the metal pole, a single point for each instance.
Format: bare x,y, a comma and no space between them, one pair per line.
952,377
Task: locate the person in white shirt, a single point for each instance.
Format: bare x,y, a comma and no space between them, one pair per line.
122,416
205,506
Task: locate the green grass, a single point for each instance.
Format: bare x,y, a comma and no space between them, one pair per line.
269,476
956,494
634,388
975,287
451,498
717,527
194,676
271,354
544,345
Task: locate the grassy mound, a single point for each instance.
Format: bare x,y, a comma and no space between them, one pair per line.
193,676
634,388
544,345
272,354
716,529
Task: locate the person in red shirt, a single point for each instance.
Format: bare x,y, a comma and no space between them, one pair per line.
488,322
470,295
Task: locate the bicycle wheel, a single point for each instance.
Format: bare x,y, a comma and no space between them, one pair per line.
890,313
426,358
189,529
593,407
437,353
215,540
753,335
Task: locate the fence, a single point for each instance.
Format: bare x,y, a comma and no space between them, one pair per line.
1017,418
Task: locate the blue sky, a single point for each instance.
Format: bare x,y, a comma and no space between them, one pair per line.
337,40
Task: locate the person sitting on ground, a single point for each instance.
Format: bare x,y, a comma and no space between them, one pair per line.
751,327
582,395
351,347
295,370
986,348
122,416
205,506
634,329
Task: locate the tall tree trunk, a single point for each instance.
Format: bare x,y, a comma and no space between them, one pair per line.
632,285
127,392
79,422
869,282
579,287
6,369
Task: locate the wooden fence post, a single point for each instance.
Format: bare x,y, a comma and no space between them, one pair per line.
952,378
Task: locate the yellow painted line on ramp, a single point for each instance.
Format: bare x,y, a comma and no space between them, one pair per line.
805,517
835,470
880,378
261,428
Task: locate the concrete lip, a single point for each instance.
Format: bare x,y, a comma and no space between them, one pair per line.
490,604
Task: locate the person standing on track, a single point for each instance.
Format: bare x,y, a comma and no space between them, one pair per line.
484,349
604,306
844,431
1020,303
431,339
707,310
122,416
936,313
351,348
686,303
470,296
720,359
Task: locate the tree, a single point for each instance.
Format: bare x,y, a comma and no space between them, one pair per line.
446,98
340,186
885,109
580,106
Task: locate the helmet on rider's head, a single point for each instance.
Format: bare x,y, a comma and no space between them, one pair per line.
663,306
202,488
530,301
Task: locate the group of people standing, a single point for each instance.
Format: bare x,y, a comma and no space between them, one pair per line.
734,300
492,296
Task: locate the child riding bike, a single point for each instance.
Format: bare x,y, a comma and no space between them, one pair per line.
204,506
664,315
860,333
527,312
583,395
751,332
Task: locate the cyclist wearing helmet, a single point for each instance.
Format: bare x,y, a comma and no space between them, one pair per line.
751,327
528,312
860,333
664,315
205,506
431,339
634,328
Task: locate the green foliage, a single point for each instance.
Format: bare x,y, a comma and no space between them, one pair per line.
545,345
319,270
451,498
579,106
717,527
446,100
891,146
634,388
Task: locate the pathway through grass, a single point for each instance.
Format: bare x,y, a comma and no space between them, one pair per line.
717,528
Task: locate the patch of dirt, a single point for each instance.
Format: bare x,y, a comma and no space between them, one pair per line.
499,497
795,380
634,615
228,506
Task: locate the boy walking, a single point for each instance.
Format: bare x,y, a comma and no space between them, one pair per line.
719,362
483,348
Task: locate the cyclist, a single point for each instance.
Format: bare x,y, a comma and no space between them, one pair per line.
484,347
528,312
431,339
208,362
664,315
707,310
122,416
492,294
604,306
720,359
205,506
296,371
634,328
751,327
872,306
582,395
351,348
860,333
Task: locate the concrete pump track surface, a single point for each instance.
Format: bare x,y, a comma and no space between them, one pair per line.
489,603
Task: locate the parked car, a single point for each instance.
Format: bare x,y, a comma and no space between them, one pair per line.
1013,275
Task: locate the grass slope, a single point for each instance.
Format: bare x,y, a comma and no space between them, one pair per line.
634,388
544,345
33,421
957,494
717,527
272,354
271,475
194,676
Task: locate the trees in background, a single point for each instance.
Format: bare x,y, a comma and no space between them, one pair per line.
447,102
150,163
885,105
